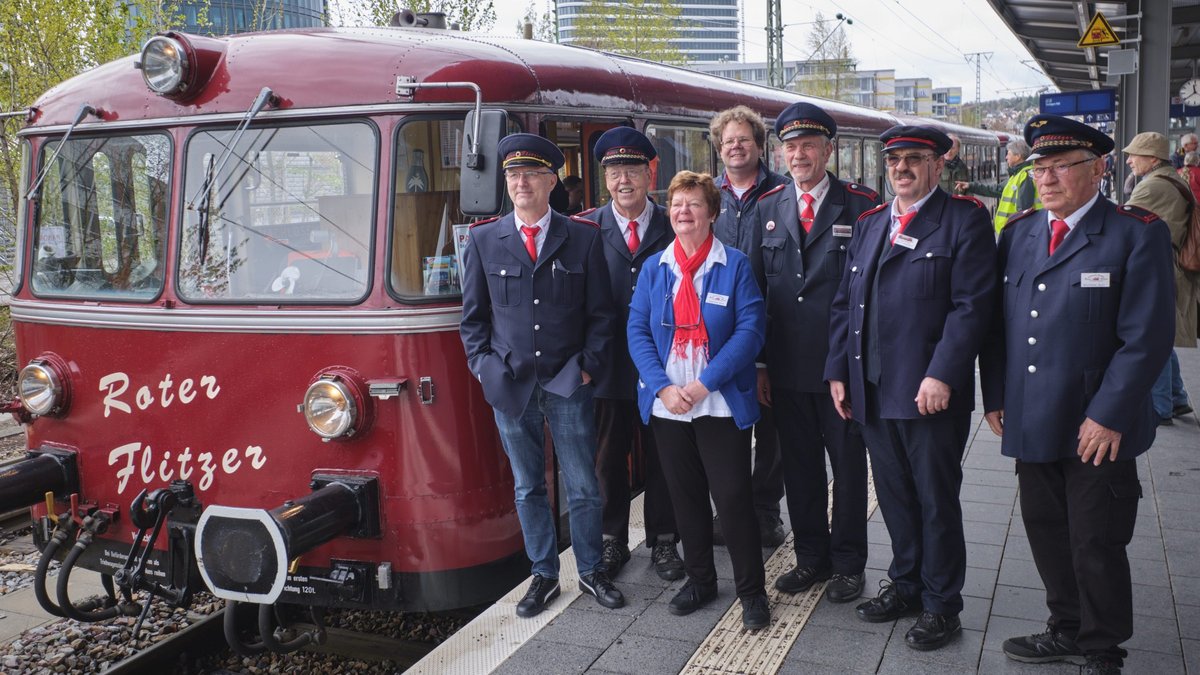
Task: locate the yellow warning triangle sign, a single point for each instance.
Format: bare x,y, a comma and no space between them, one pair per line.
1099,33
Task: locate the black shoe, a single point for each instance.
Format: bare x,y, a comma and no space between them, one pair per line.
756,612
541,591
666,561
844,587
1052,645
932,631
800,579
1165,422
1101,664
889,605
1181,410
600,587
613,557
718,537
770,530
691,597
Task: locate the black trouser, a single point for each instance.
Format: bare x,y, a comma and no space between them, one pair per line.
710,454
809,425
1079,518
618,424
917,465
768,470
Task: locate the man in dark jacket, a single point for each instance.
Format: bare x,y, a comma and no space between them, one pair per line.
740,138
807,227
633,228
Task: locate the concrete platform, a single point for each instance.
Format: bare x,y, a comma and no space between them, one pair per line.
1004,596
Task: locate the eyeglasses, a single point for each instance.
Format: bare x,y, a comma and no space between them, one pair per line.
731,142
668,322
1059,170
911,160
516,176
627,173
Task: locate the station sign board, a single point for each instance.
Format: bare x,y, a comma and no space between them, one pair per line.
1095,105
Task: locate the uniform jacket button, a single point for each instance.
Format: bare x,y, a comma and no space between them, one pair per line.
1033,313
1033,369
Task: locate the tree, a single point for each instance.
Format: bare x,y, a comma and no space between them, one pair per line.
646,29
477,15
830,61
543,24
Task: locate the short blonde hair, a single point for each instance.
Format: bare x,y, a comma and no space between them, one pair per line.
738,113
690,180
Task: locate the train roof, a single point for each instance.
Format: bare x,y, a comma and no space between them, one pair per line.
337,67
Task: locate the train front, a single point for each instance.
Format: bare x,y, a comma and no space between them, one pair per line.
237,320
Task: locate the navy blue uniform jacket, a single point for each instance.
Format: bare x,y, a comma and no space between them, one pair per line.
1084,333
802,276
733,315
934,304
524,324
619,380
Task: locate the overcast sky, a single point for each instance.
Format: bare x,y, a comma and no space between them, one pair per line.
930,38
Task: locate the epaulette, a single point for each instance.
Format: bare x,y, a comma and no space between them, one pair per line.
862,190
484,221
772,191
1018,216
875,210
969,198
584,213
585,221
1137,212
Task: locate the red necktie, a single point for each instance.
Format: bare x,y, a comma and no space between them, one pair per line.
1058,232
806,213
634,242
904,221
530,240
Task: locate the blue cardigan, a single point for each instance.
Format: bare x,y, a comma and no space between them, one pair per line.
736,332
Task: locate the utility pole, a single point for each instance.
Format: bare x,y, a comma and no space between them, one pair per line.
774,44
977,57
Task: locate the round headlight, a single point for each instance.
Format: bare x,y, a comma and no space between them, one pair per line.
329,408
39,388
164,65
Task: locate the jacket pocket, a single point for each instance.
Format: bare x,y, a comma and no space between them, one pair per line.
504,283
1122,510
567,282
1095,293
773,252
1012,292
932,272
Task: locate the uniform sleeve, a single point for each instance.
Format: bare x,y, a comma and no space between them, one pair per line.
993,358
476,325
836,367
640,334
600,312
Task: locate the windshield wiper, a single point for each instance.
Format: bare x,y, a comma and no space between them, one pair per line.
202,226
264,96
84,110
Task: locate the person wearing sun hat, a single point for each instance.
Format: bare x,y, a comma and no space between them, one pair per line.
1080,331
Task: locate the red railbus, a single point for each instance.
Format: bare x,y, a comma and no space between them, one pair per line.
238,300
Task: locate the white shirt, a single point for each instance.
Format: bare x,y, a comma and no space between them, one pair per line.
540,237
643,221
818,194
681,371
1073,219
895,226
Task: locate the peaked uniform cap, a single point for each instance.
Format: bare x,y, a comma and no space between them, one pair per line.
916,136
804,119
1052,134
623,145
529,150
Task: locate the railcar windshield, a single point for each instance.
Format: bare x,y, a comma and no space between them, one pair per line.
286,219
101,223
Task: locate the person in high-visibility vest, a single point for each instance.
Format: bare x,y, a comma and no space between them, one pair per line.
1016,195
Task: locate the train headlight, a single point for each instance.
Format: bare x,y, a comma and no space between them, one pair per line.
165,65
330,407
40,388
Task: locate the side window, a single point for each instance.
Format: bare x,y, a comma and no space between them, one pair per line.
873,174
679,148
101,218
775,159
285,216
849,152
13,238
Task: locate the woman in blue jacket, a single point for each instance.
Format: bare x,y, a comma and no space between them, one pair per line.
696,324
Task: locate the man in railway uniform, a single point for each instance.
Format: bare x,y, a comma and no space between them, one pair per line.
1085,325
906,325
537,322
632,228
807,227
740,138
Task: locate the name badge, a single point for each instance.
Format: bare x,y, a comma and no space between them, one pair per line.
717,299
906,241
843,230
1094,280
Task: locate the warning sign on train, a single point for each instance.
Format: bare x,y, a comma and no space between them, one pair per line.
1099,33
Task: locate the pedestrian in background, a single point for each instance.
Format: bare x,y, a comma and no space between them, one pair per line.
1016,194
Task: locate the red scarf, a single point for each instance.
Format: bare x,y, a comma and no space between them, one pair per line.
689,322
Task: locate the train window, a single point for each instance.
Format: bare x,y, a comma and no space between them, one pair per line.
775,159
14,239
679,149
849,159
285,216
102,217
872,166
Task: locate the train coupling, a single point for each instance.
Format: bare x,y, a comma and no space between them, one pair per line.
45,469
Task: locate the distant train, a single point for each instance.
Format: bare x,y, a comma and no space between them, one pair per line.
238,300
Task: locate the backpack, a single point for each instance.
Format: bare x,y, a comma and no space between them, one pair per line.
1188,252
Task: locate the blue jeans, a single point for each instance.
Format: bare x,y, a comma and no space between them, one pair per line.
1168,392
573,428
